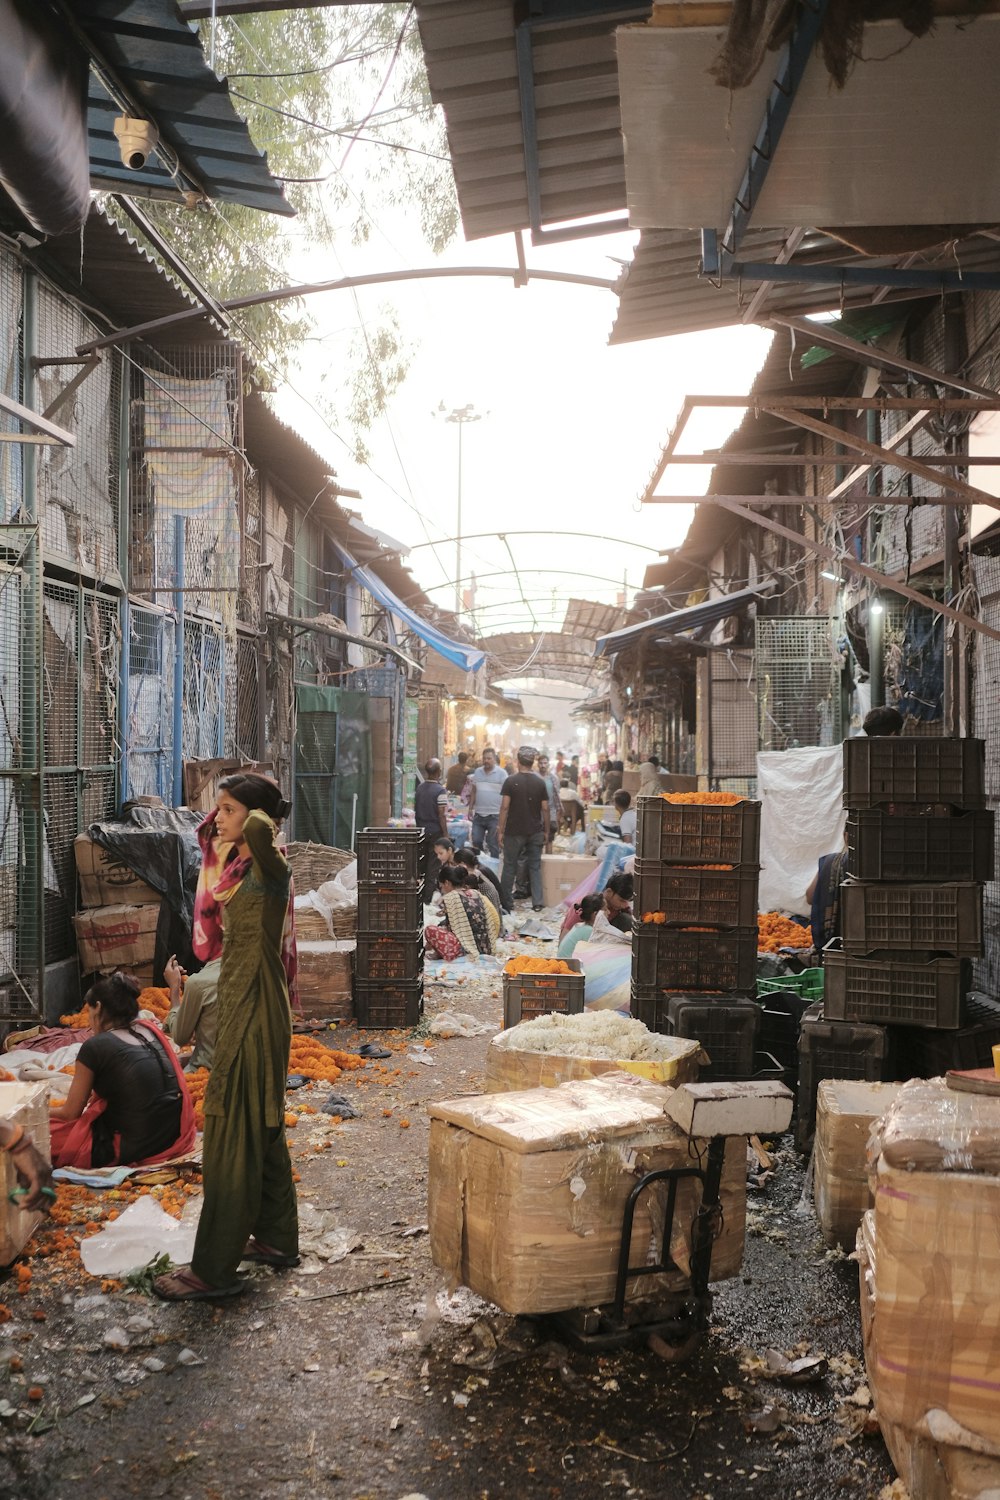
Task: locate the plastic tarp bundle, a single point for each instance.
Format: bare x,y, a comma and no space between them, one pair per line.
607,969
160,846
802,817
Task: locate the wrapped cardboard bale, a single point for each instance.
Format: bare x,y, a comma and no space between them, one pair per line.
24,1104
107,881
325,979
933,1250
116,937
846,1109
526,1193
551,1050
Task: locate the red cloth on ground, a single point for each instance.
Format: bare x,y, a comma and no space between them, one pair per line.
54,1038
443,943
72,1140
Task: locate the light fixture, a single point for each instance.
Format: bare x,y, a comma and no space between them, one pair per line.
877,607
833,577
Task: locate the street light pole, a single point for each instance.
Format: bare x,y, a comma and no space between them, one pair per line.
460,415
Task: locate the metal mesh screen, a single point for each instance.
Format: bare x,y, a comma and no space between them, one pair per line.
149,722
986,722
204,690
19,898
78,488
913,641
10,381
733,745
247,697
186,463
248,603
798,682
80,684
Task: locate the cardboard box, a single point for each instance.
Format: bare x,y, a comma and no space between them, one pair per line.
511,1070
116,937
670,781
20,1104
562,873
325,979
845,1113
933,1330
526,1193
106,881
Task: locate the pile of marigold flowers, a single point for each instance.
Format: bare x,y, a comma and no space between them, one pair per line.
702,799
153,998
526,963
775,932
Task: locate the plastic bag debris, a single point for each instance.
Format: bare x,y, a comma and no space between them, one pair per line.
142,1233
339,1104
458,1023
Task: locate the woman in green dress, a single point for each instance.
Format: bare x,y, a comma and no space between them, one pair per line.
249,1209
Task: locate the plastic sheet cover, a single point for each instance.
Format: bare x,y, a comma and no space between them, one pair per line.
802,817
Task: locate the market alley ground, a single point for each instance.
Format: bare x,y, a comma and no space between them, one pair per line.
360,1377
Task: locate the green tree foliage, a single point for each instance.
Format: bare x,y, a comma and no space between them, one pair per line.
337,97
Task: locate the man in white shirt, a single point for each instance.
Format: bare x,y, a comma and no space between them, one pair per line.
627,819
484,803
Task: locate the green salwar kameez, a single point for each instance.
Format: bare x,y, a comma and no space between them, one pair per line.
246,1168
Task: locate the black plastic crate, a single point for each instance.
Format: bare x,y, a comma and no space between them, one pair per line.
728,1030
393,956
397,909
723,898
836,1049
526,996
911,918
931,1054
686,959
883,846
386,854
914,770
388,1005
780,1023
690,833
915,990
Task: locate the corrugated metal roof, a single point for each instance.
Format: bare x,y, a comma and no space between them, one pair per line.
672,624
567,654
661,293
471,56
157,58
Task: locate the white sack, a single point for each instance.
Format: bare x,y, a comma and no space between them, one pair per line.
802,817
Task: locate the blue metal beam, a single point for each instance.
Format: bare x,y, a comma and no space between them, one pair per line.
553,13
795,55
858,275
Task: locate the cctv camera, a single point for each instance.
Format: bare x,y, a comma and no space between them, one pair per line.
137,140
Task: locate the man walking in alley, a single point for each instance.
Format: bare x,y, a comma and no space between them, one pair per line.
430,810
524,825
484,803
552,785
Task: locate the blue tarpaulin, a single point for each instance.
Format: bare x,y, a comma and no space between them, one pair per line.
469,658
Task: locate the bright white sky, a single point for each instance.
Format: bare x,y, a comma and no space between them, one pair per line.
570,429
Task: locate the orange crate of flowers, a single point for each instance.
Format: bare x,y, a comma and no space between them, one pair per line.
538,987
686,828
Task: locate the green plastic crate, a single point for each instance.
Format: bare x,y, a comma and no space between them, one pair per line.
808,985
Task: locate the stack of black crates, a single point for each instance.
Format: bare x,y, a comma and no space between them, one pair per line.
920,846
389,971
694,969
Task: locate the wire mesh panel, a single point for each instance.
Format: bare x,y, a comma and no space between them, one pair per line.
986,721
798,682
186,460
247,698
78,487
913,641
204,690
11,454
149,718
732,706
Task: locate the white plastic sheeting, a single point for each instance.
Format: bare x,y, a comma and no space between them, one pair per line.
802,817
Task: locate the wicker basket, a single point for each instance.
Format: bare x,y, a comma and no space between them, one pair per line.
312,864
311,926
345,922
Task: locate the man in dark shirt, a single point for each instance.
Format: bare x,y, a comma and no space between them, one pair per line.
430,810
524,825
458,775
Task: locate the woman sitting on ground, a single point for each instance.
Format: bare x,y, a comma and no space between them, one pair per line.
580,932
469,923
481,878
128,1104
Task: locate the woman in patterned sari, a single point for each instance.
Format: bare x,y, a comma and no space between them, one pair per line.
469,923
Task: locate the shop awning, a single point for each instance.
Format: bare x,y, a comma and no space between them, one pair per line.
469,658
697,615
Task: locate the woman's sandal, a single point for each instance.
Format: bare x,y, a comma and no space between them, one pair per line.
185,1286
263,1255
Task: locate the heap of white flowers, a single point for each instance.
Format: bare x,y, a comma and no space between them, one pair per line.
597,1033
